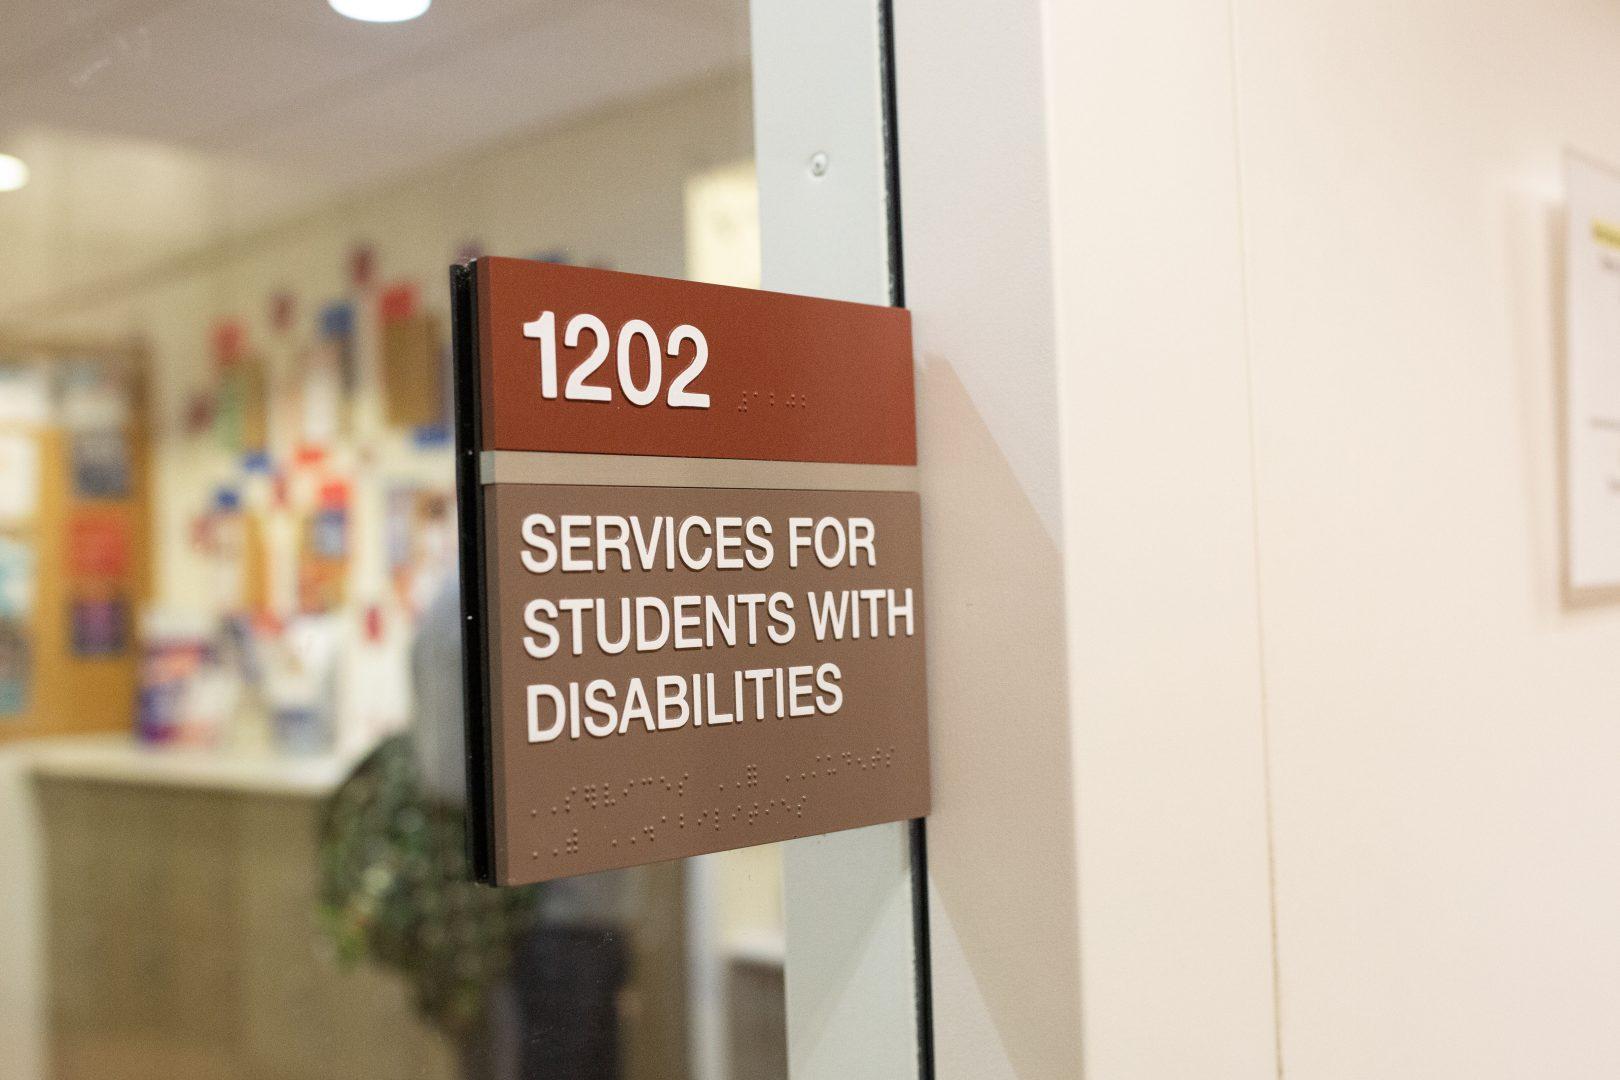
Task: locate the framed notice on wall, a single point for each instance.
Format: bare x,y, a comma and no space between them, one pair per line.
692,567
1592,341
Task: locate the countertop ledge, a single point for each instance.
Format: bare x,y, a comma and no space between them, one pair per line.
120,760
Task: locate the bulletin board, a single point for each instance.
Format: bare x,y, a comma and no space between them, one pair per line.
75,537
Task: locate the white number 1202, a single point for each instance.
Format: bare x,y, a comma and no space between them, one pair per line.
544,330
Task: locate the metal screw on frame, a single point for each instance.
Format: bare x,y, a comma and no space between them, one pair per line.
818,164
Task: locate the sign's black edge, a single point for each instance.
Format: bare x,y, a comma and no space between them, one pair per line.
467,374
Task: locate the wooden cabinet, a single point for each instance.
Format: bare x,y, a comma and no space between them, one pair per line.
181,941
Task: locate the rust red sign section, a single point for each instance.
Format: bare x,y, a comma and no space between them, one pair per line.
580,360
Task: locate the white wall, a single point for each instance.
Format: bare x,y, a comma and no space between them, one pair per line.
1164,636
1446,752
1306,336
1098,863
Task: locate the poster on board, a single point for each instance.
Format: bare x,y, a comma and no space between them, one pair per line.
17,586
1592,375
19,478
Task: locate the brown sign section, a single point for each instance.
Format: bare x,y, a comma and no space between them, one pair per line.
568,363
736,706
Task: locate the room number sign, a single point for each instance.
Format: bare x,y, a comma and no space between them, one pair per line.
544,330
691,567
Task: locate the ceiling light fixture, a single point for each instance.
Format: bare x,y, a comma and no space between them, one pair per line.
381,11
13,172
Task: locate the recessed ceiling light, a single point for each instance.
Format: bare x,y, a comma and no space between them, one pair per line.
380,11
13,173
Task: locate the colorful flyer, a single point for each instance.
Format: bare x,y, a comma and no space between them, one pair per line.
323,556
98,544
101,464
321,412
242,422
413,362
100,625
93,396
17,586
25,394
19,478
337,329
17,580
16,666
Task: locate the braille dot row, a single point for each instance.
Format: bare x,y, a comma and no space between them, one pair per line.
790,401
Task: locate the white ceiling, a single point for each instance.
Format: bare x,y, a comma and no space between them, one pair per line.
270,106
292,77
